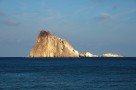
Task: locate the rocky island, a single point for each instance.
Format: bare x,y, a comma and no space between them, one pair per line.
49,45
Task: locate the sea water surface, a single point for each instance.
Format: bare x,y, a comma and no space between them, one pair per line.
67,74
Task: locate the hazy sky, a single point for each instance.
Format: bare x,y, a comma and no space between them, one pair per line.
97,26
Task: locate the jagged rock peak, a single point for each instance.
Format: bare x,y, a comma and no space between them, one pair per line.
49,45
44,33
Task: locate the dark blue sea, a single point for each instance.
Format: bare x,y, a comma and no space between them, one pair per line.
67,74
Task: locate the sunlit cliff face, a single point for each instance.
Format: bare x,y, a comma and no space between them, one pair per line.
49,45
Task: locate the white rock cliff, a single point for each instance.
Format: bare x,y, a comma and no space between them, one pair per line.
49,45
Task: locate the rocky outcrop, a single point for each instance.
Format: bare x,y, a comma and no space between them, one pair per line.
87,54
49,45
111,55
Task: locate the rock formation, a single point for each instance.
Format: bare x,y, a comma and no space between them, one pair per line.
49,45
87,54
111,55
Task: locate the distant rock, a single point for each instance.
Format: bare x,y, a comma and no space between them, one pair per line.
111,55
87,54
49,45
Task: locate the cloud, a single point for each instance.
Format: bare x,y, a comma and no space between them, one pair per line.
7,20
10,22
104,16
